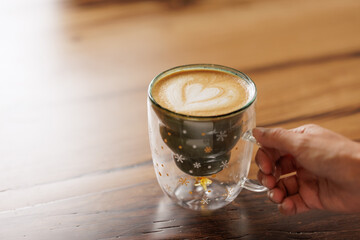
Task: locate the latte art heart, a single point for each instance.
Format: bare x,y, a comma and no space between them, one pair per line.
201,93
195,93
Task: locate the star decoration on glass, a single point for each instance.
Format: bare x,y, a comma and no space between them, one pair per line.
203,181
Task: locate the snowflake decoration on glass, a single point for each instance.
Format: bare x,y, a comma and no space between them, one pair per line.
229,191
224,164
205,200
179,158
208,149
220,136
197,165
167,188
183,181
156,152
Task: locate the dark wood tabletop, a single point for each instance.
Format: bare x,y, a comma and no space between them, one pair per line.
74,150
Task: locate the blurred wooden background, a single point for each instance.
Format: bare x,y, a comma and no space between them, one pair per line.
75,161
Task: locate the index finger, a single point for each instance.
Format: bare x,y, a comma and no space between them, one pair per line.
282,140
266,159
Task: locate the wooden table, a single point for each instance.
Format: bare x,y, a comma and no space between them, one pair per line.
74,151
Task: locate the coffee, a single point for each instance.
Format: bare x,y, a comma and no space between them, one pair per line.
201,92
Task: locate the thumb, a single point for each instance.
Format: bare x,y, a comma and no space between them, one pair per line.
278,138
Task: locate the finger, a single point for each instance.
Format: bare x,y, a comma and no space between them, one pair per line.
310,188
273,154
286,164
263,160
276,195
266,159
268,181
278,138
280,185
293,205
301,129
289,185
307,128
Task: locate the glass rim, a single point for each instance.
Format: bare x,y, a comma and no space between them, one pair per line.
215,67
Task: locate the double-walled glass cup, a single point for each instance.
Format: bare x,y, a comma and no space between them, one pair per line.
202,163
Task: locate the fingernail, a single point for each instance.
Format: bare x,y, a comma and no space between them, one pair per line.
258,131
263,181
276,172
270,194
260,168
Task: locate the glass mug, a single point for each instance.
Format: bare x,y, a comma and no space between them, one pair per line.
202,163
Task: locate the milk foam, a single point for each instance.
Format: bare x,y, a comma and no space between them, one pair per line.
201,92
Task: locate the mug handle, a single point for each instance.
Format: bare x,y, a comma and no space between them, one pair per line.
250,184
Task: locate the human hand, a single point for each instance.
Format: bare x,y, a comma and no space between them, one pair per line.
327,169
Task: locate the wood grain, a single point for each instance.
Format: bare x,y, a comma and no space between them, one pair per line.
74,151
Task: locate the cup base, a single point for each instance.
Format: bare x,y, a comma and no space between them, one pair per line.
196,197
